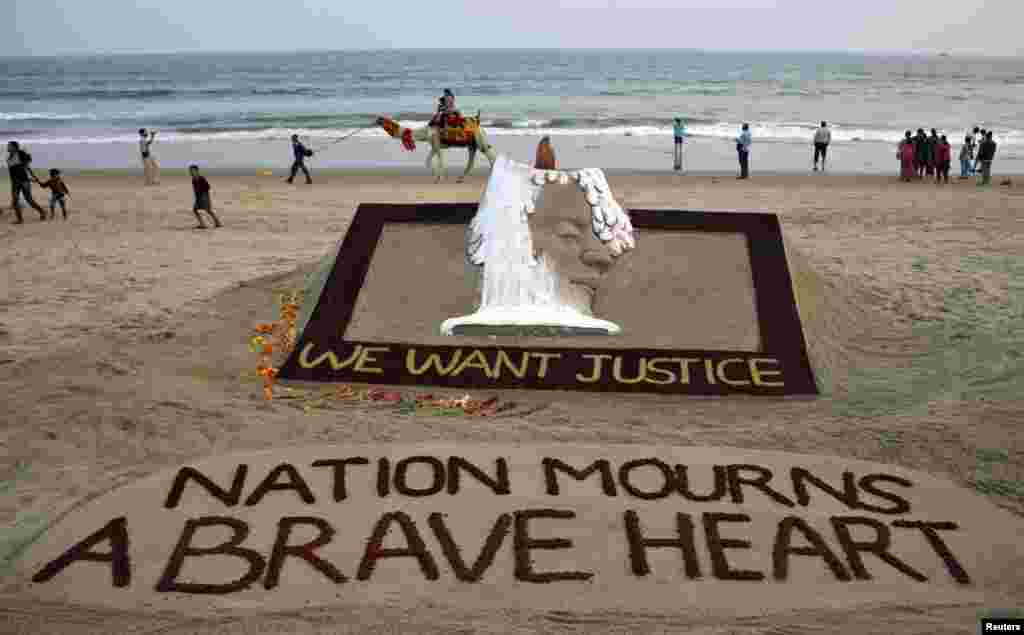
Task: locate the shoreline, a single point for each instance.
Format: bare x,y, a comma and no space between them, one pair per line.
618,155
418,175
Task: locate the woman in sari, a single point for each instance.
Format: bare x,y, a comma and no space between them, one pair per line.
907,155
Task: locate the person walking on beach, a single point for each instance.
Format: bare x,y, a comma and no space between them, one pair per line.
201,188
743,151
943,158
58,192
20,171
678,135
822,137
150,168
966,157
907,153
300,152
986,154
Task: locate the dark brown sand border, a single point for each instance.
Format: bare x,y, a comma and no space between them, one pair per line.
780,367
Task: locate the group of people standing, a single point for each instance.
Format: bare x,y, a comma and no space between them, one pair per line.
924,155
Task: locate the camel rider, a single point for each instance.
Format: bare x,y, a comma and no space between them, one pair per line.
445,107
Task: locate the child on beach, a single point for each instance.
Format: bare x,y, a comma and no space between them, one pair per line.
943,158
58,192
201,187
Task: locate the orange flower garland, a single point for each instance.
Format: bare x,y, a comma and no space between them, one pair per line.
284,333
281,336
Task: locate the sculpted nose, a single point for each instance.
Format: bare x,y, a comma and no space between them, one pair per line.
600,259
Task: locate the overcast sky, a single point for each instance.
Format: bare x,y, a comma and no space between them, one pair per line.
47,27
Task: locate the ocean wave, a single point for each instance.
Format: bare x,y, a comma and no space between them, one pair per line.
43,116
769,132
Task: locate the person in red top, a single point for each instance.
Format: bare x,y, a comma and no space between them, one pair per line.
906,155
944,157
58,192
201,187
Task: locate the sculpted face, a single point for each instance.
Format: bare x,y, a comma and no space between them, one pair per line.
562,235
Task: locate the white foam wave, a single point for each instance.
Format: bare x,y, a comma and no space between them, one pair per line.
760,132
43,116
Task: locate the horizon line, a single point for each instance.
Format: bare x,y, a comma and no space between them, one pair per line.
862,52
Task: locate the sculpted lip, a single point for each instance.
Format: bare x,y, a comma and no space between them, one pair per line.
589,284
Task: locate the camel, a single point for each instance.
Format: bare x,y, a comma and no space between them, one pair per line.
465,133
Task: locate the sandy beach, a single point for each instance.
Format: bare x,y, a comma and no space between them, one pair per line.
123,350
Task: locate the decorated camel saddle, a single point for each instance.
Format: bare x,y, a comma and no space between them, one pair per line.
459,131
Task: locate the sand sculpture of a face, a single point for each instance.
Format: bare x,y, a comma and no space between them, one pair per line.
541,242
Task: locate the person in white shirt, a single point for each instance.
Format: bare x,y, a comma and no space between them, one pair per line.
822,137
150,167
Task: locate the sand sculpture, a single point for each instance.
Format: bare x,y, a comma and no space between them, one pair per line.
541,242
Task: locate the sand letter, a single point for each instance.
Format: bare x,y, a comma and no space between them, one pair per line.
504,360
802,476
758,375
720,371
542,368
638,545
116,532
595,372
879,546
668,480
367,358
475,359
669,376
453,553
434,359
683,481
416,549
228,497
499,484
602,465
760,483
641,371
783,548
283,550
900,504
709,371
436,476
331,358
340,493
941,548
269,484
717,546
523,543
168,581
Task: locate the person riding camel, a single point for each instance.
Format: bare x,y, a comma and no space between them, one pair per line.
445,108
